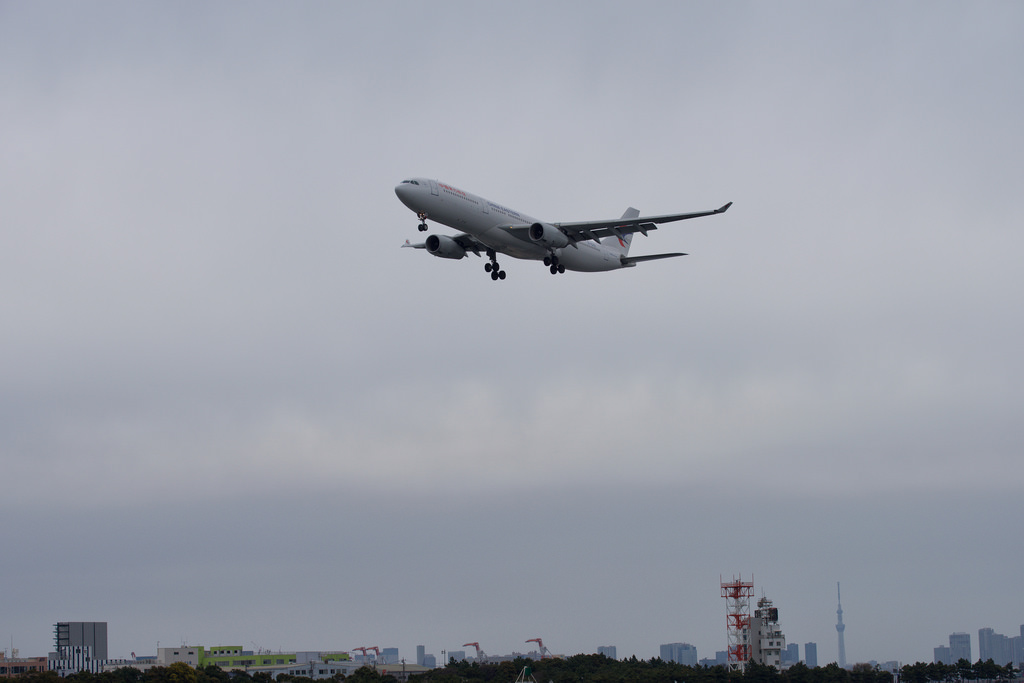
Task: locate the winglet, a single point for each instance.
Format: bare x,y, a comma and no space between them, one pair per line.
724,208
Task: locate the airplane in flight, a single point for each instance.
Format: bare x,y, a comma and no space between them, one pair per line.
491,228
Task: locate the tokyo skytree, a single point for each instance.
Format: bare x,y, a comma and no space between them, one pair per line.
840,627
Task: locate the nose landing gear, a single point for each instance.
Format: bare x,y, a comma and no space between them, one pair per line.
422,227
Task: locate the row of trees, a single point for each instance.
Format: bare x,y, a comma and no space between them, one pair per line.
961,671
600,669
576,669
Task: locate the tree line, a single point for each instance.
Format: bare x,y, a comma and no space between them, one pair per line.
600,669
575,669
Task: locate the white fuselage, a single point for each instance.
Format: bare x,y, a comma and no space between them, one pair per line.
488,222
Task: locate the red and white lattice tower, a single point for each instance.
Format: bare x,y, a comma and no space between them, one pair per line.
737,594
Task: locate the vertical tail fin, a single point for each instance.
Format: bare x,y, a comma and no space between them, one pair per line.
620,245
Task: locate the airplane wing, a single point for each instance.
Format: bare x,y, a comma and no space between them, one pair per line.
595,230
467,242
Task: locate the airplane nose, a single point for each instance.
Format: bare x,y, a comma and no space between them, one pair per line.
405,192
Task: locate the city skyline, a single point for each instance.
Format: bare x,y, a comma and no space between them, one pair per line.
959,647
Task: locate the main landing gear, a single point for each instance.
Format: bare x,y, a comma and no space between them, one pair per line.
554,265
492,267
423,221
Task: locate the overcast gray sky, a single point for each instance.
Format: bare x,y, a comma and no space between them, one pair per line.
233,411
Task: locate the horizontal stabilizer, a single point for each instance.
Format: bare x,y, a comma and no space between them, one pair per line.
633,260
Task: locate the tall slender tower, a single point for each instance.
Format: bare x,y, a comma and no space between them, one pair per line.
840,627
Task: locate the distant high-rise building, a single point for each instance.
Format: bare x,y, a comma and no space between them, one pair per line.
994,646
985,644
457,655
959,647
811,655
680,653
389,655
421,652
1018,649
430,661
840,627
941,655
791,655
607,650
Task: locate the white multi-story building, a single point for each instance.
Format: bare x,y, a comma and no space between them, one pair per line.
767,640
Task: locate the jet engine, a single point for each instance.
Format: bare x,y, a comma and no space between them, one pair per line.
443,246
548,235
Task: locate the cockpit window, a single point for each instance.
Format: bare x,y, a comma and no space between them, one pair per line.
410,182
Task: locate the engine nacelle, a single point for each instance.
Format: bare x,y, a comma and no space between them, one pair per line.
443,246
548,235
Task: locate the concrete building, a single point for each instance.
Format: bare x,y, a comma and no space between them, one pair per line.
721,658
91,634
15,665
608,651
1000,649
959,647
791,655
186,653
318,669
940,655
229,658
1018,649
994,646
811,655
766,638
680,653
71,659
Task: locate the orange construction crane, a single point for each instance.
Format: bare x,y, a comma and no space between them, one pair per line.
361,649
376,652
481,658
544,653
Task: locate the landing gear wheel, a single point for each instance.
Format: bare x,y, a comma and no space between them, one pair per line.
561,268
422,227
547,260
496,272
554,269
